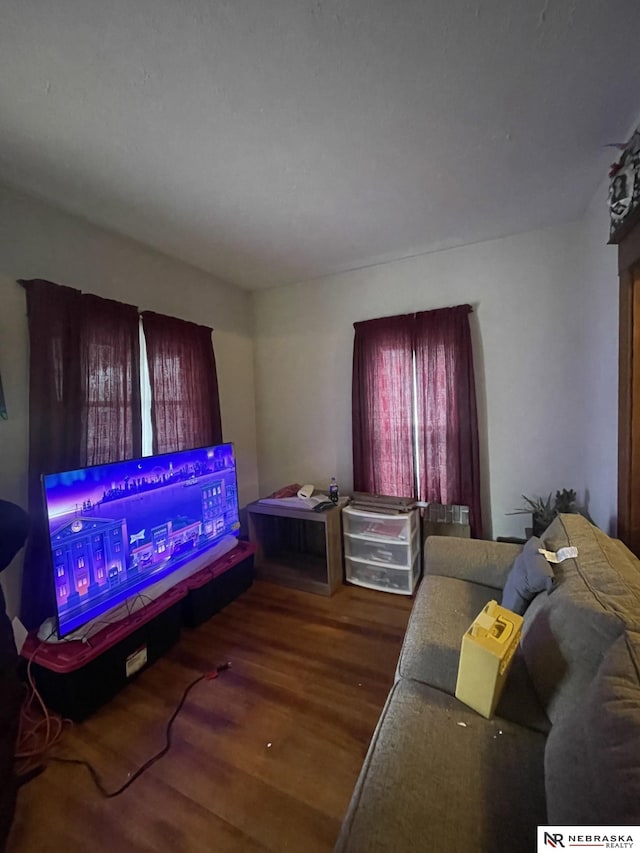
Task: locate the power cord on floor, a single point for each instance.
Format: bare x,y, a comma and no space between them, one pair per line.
38,730
208,676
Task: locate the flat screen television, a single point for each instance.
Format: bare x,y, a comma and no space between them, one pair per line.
116,529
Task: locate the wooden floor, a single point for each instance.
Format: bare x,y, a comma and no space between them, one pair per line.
264,758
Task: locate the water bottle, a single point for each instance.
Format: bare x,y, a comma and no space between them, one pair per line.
334,494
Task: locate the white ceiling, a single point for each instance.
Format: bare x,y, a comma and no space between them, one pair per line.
270,141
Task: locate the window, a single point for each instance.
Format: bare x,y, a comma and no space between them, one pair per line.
414,426
183,383
383,408
109,380
85,393
145,396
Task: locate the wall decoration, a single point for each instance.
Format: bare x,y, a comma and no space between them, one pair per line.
624,187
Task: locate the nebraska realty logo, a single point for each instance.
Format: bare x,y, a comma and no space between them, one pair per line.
607,837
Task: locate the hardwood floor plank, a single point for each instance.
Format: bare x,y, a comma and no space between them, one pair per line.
263,758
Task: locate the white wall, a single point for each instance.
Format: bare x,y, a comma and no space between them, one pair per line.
598,310
39,241
545,337
537,370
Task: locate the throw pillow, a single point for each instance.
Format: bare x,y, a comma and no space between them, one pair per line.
529,575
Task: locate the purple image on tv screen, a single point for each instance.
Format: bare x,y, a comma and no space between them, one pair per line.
116,529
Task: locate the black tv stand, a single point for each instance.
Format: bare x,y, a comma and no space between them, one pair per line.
75,678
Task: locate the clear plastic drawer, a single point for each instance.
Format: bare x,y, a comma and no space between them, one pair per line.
381,550
377,576
398,527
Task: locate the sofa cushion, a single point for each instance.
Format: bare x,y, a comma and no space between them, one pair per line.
475,560
567,632
443,610
519,701
530,574
592,758
429,783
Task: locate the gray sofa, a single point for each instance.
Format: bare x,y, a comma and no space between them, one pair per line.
564,745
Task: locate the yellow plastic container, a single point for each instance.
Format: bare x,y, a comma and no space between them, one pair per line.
487,650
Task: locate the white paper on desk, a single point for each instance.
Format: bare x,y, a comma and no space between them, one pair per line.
295,503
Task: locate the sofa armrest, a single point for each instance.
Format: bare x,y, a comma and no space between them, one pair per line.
476,560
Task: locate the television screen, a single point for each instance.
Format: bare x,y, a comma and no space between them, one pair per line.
116,529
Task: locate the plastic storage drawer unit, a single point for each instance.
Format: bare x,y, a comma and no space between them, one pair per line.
382,550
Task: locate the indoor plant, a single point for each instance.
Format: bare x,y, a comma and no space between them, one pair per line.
544,510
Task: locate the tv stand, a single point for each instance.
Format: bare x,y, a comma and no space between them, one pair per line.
297,547
75,678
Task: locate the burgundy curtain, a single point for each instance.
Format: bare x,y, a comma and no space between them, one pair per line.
185,406
448,454
54,428
434,428
382,407
109,350
77,411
